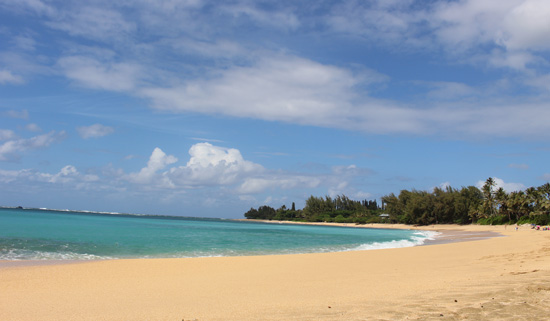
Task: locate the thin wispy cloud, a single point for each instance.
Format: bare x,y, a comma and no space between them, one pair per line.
94,131
519,166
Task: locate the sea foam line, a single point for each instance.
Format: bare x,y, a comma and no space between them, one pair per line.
418,238
19,255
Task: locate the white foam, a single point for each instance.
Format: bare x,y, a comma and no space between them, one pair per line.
419,238
17,255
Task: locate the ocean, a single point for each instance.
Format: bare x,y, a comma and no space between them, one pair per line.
40,234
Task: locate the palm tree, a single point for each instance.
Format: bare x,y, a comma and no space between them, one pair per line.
488,207
502,200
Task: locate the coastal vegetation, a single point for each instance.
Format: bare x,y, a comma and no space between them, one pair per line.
486,205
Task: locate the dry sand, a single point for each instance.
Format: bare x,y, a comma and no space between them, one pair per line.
501,278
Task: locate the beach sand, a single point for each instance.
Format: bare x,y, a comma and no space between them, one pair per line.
499,278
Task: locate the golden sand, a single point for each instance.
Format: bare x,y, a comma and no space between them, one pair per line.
501,278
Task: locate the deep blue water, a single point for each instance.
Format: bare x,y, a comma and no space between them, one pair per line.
29,234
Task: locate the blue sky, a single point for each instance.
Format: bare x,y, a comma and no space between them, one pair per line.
208,108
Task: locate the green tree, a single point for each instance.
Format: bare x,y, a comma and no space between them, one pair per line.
488,207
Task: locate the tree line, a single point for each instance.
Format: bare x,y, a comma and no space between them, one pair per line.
340,209
448,205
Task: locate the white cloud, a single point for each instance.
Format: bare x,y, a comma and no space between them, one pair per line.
33,127
96,74
93,22
508,187
12,148
215,166
545,177
33,6
505,33
519,27
254,82
148,175
541,82
527,25
6,134
387,22
67,175
7,77
296,90
277,88
94,131
445,185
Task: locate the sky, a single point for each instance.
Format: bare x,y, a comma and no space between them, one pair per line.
208,108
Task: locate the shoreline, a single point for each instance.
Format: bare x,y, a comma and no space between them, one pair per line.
499,278
447,234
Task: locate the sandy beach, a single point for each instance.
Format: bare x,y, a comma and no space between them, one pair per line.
499,278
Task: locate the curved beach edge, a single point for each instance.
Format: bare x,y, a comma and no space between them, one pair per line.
497,278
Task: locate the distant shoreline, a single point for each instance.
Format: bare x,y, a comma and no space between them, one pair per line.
449,233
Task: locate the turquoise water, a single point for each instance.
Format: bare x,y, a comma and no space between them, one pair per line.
54,235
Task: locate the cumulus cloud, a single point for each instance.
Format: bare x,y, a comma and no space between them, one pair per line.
508,187
149,174
216,166
94,131
208,165
12,148
213,165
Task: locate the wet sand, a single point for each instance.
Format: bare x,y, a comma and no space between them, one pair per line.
482,278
